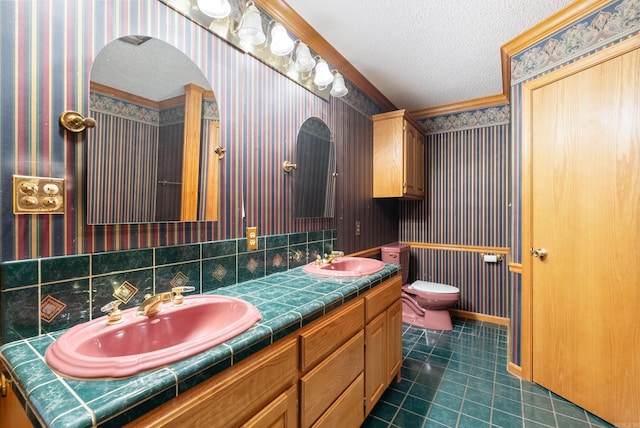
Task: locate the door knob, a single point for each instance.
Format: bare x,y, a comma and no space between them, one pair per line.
541,253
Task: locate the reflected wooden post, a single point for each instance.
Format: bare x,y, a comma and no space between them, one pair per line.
191,152
212,194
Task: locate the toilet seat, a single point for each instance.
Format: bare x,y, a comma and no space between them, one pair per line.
434,287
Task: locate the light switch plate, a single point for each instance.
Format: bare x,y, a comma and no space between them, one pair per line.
38,195
252,238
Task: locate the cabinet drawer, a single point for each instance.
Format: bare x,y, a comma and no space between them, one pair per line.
254,382
348,409
324,384
383,296
281,412
328,333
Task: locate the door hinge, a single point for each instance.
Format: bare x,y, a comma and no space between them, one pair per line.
297,406
364,403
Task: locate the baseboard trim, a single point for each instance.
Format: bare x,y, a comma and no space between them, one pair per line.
514,369
480,317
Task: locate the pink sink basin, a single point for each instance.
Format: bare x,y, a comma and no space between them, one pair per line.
97,350
346,267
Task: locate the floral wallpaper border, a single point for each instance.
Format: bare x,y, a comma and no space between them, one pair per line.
469,119
618,20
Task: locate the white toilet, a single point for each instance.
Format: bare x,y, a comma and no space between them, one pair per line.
424,304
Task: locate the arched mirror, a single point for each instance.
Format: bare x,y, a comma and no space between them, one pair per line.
314,178
154,154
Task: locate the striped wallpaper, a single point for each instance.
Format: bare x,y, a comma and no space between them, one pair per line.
46,52
467,206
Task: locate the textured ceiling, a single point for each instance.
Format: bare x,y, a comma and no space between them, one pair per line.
426,53
154,70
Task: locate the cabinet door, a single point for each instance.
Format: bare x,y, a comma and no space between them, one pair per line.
12,414
394,341
413,161
280,413
375,360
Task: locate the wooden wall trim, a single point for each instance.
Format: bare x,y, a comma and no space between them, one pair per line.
544,29
191,152
283,13
480,317
551,25
125,96
453,247
514,369
475,103
515,267
367,253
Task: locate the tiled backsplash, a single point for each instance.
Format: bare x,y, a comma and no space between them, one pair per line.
49,294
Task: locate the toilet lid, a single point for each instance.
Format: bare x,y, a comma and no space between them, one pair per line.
434,287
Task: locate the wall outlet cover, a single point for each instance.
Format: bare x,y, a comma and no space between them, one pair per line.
252,238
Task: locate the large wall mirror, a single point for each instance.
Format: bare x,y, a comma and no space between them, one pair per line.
314,178
154,154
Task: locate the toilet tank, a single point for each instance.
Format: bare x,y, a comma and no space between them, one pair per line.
399,254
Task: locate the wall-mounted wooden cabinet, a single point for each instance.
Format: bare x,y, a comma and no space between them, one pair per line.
398,156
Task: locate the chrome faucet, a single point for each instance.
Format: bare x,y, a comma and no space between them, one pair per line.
152,304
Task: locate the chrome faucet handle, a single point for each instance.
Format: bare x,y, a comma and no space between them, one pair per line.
115,314
178,298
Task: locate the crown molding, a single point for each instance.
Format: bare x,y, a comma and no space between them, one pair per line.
473,104
283,13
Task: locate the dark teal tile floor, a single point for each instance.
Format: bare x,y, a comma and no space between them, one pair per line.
459,379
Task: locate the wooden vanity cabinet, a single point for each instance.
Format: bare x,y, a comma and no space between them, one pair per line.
12,413
398,156
250,389
383,332
323,375
331,359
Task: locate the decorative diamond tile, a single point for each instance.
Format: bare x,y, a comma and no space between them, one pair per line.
252,265
277,260
125,292
50,307
219,273
180,280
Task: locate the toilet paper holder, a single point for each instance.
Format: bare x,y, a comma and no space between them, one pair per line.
491,258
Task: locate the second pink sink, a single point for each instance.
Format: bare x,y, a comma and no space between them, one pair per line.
97,350
346,267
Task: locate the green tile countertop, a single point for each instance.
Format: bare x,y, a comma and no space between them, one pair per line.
287,301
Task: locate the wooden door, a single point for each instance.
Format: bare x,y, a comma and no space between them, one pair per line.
585,212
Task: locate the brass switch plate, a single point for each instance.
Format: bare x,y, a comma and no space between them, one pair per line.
38,195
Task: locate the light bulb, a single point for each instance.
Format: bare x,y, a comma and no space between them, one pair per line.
281,43
215,8
251,29
323,75
338,89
